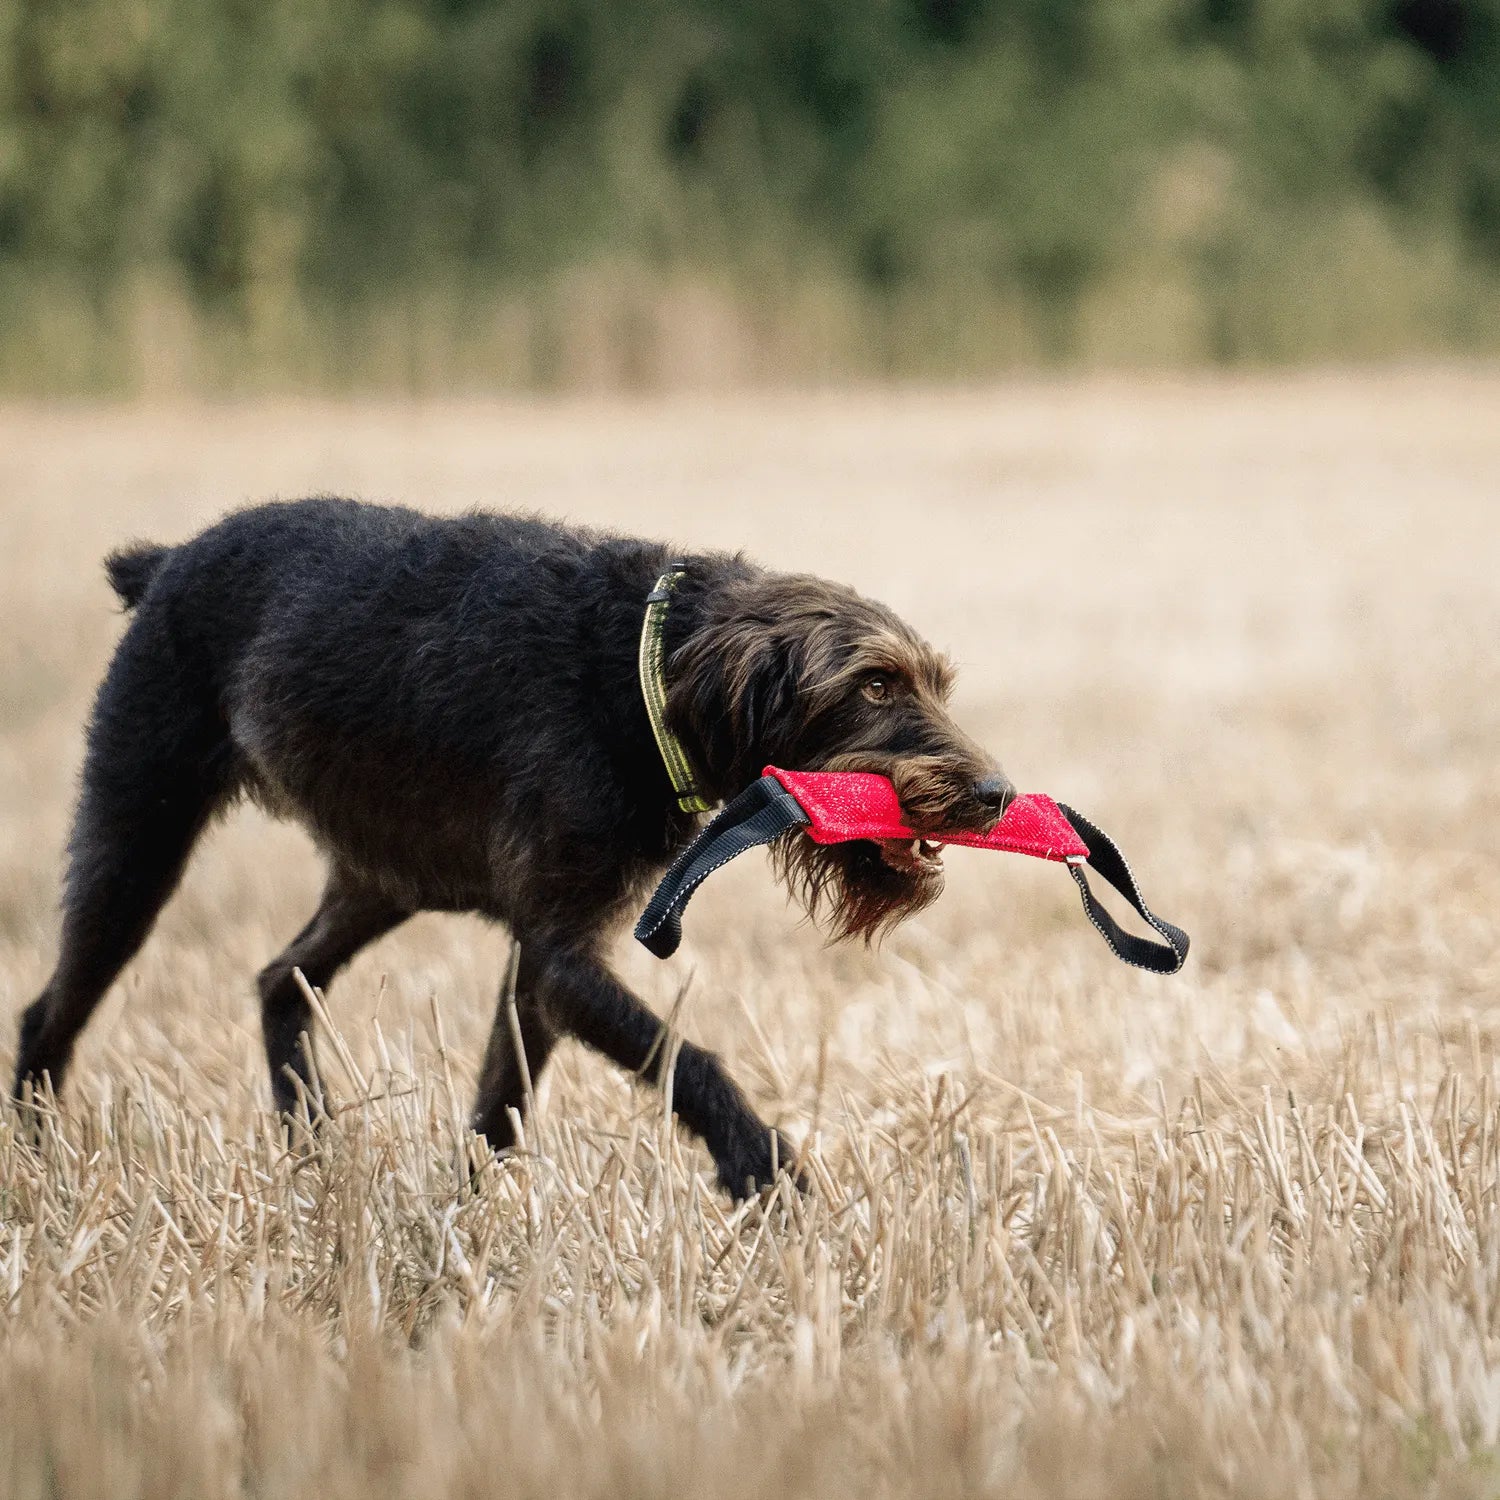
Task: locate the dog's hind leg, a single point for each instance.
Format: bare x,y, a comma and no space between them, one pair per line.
157,767
502,1078
583,998
350,916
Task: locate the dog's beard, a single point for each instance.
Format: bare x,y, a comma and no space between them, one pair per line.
851,887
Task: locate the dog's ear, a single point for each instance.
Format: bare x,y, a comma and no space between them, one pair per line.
766,691
733,691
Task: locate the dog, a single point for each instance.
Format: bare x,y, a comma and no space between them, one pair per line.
457,711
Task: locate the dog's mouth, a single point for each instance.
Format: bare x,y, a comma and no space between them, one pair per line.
864,886
918,856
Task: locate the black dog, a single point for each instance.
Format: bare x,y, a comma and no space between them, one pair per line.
453,710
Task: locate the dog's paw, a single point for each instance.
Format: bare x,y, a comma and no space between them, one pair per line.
32,1112
758,1163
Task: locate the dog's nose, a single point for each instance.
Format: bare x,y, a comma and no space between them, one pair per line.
995,793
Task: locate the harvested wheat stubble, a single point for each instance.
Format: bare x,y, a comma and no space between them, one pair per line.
1073,1230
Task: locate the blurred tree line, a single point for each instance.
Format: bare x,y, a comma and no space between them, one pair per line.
396,191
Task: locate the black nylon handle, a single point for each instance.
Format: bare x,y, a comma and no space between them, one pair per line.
762,812
1106,859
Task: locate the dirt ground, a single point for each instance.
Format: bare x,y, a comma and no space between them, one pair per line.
1075,1229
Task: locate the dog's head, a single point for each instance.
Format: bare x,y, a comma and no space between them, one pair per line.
798,672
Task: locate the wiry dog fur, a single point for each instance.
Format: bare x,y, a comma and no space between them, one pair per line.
451,708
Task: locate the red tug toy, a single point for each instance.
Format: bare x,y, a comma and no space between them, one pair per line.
832,808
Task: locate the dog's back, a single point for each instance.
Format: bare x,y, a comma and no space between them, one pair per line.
397,682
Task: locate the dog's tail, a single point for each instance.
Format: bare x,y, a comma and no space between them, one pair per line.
131,569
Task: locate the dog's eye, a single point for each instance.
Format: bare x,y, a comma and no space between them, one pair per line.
877,688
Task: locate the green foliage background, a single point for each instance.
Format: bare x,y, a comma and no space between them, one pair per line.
450,193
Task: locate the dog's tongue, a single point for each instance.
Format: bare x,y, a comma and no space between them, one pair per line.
844,805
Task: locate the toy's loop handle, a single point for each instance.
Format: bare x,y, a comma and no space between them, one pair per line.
1106,859
762,812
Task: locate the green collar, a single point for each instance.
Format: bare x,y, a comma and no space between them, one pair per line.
654,691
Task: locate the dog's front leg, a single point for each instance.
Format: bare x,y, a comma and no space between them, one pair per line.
508,1072
586,1000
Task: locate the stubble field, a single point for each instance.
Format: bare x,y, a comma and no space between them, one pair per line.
1074,1230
